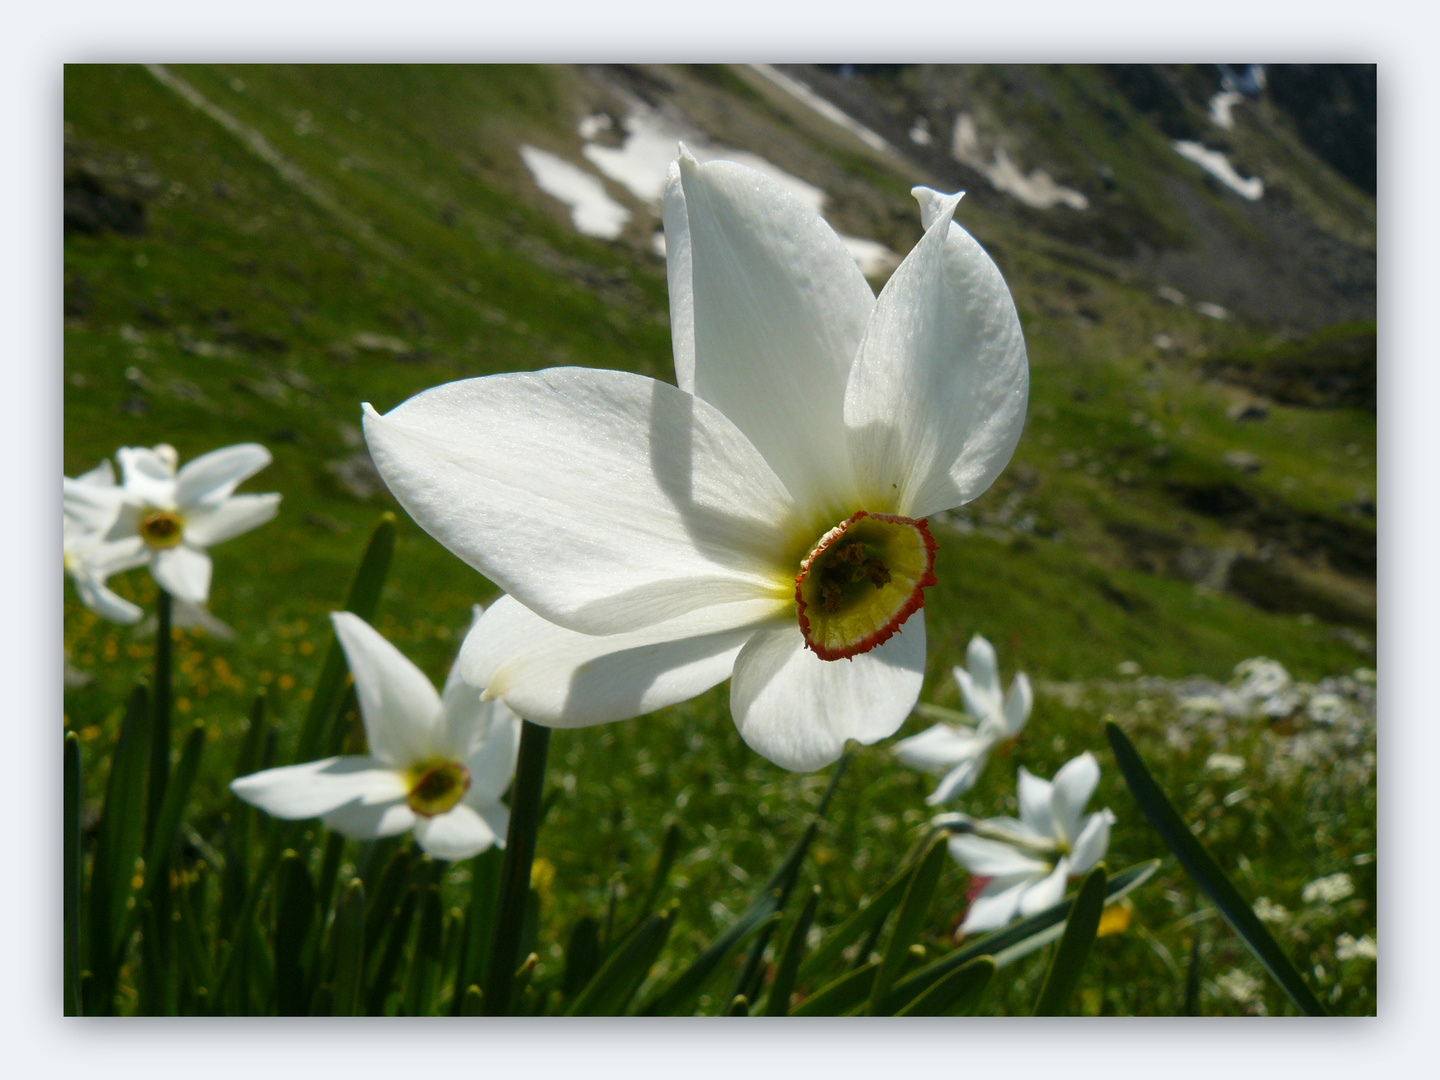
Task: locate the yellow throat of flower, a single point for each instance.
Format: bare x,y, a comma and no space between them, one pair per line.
861,581
161,529
436,786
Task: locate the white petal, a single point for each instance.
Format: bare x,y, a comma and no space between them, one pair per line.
364,821
938,749
780,308
207,525
1035,795
559,678
97,597
319,787
798,710
456,834
677,274
1046,893
995,906
958,780
91,508
211,477
183,572
984,667
1073,786
492,763
147,477
936,399
103,475
1018,704
990,858
1092,842
496,815
601,500
400,708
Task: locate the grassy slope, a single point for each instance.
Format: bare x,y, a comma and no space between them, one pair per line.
234,319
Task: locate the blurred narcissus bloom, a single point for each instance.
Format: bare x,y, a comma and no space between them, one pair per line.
89,558
438,764
766,518
170,518
1027,861
958,754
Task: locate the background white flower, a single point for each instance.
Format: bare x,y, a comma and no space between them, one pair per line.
655,539
1328,890
169,518
958,754
89,558
1028,861
437,765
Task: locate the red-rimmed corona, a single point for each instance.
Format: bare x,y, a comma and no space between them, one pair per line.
862,581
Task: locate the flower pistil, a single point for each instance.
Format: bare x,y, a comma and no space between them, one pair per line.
437,787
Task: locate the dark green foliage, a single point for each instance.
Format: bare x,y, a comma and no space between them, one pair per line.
1075,943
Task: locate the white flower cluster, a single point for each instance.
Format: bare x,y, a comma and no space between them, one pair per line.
1262,689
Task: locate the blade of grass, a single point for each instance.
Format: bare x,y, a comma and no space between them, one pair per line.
349,951
72,875
425,962
621,975
783,985
294,923
839,996
582,958
957,994
383,981
1070,957
924,880
868,917
1192,977
1206,872
160,714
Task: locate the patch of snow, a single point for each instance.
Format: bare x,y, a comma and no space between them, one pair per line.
802,93
920,132
1218,165
1221,105
593,211
1035,189
641,162
592,126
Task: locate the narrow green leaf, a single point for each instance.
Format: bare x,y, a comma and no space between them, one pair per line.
73,792
473,1003
957,994
739,1006
621,975
1206,873
783,985
485,871
840,996
349,951
868,917
908,920
385,897
117,846
1192,977
582,958
425,963
1017,940
363,599
160,713
1070,957
679,997
519,858
294,924
329,871
669,849
194,959
382,982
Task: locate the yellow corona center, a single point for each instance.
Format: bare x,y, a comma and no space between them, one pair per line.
437,786
861,581
162,529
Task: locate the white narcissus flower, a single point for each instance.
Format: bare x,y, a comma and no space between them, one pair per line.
89,558
1027,861
437,764
170,518
765,519
958,754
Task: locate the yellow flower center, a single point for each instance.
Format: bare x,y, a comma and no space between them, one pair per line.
162,529
437,786
861,581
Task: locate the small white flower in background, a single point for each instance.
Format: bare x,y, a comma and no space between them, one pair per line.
1350,948
1266,910
89,558
168,518
1242,987
766,519
1327,708
437,764
1225,764
1266,685
958,754
1328,890
1028,861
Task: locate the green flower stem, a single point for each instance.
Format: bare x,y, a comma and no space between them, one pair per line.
160,718
515,876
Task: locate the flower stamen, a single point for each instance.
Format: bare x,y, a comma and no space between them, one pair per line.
438,787
162,529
